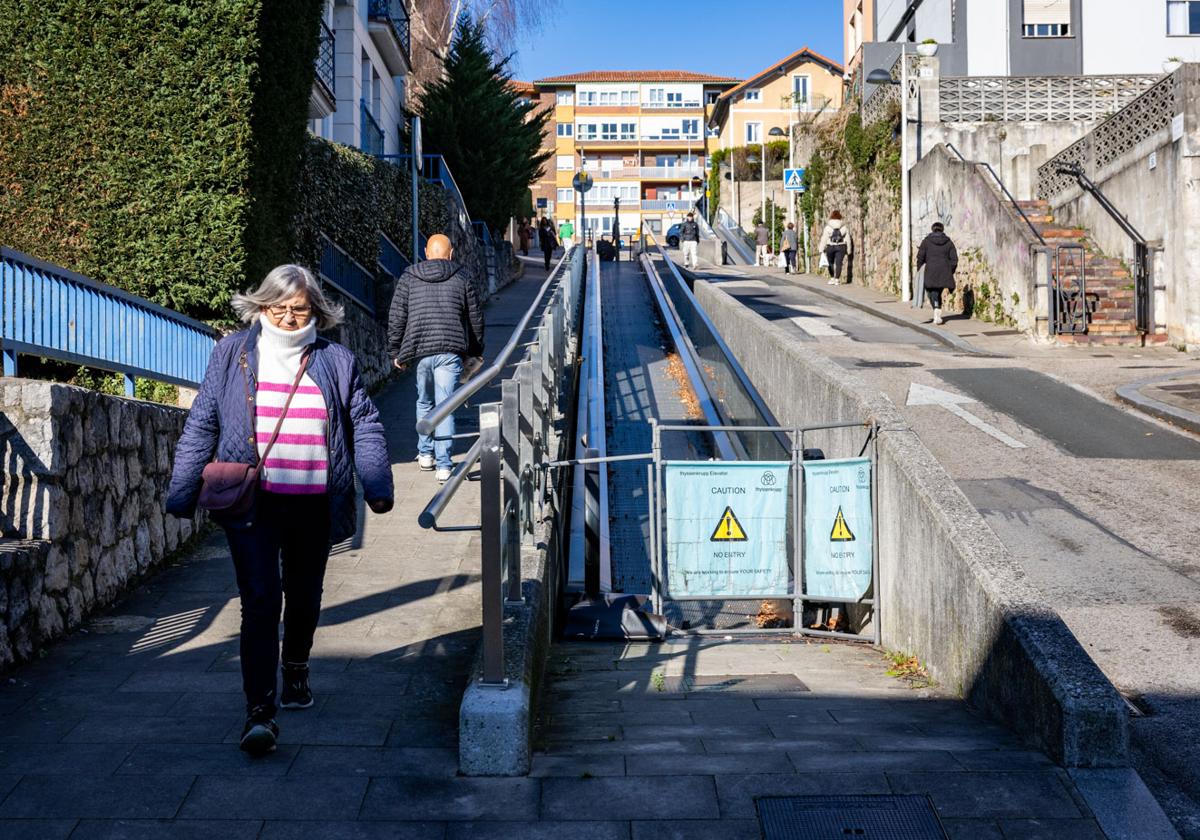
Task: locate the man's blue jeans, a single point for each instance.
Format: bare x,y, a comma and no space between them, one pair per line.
437,377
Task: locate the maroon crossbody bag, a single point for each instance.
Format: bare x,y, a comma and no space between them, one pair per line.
229,488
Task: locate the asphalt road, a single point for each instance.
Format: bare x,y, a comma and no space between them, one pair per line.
1097,503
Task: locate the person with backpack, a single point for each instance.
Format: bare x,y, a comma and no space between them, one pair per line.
547,240
938,256
835,244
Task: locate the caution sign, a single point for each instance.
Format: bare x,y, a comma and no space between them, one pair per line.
838,534
726,529
841,531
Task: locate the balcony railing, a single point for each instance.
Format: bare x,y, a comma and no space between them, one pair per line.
674,138
46,310
343,272
681,205
671,173
371,140
671,106
325,60
393,13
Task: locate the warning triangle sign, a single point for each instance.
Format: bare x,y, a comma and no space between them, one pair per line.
841,531
728,529
794,179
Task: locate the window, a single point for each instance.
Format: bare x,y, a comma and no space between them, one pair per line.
566,195
565,129
566,163
753,96
657,97
564,97
710,97
800,91
1183,17
1047,18
629,97
586,131
628,131
674,100
587,98
753,132
608,131
691,128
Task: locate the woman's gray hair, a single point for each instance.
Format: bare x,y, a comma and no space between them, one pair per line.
287,281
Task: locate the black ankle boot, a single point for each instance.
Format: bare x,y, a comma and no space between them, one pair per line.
296,693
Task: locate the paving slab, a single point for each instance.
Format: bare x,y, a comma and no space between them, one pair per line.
36,829
452,799
167,829
82,795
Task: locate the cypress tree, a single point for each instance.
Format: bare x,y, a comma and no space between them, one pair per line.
474,119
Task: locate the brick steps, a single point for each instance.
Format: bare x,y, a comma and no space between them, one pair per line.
1109,291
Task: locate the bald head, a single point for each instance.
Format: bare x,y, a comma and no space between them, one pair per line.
438,247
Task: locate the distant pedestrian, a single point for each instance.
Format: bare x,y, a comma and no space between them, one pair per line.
547,241
566,234
689,241
279,398
938,256
523,234
762,241
435,321
788,244
835,244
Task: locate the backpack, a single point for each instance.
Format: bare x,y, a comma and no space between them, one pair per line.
837,237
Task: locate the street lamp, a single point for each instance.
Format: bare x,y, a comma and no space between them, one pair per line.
777,132
883,77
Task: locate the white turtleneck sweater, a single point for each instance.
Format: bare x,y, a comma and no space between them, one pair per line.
299,461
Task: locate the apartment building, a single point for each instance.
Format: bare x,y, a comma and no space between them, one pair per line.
858,28
804,84
640,135
359,96
1033,37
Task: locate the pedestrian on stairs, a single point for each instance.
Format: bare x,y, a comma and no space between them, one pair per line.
280,399
835,244
434,322
939,258
689,241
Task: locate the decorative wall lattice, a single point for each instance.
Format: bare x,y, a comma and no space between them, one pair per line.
882,100
1037,98
1139,120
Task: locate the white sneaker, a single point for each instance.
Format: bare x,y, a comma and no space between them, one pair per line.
937,316
425,462
832,283
443,474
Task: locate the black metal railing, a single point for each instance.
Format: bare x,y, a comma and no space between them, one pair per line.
326,65
518,437
1011,198
394,13
371,139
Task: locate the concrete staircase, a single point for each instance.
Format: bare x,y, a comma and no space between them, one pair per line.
1108,294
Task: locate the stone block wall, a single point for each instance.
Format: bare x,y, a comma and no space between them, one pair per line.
85,475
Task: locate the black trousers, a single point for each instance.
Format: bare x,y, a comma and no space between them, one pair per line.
790,256
546,255
935,297
836,254
282,553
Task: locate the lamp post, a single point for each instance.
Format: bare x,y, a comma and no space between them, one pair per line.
778,132
883,77
752,159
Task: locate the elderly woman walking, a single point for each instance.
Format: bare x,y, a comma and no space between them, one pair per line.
286,417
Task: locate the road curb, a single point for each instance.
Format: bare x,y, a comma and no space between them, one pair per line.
1132,395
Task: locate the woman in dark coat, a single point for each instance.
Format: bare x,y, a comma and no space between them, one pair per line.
327,430
547,240
939,258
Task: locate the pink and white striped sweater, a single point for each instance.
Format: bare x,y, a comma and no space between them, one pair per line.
299,461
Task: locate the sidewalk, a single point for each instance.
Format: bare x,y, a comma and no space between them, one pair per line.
129,728
1118,374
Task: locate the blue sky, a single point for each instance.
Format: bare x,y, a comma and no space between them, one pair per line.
706,36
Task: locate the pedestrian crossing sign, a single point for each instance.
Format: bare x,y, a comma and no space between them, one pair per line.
793,180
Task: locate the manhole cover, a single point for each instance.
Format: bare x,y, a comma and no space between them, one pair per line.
886,364
838,817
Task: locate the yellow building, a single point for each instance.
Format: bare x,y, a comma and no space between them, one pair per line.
640,135
803,85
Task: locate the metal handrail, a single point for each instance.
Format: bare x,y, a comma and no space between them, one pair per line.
1011,198
1086,184
428,518
452,403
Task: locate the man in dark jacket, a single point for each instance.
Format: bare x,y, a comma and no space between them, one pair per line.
689,241
434,321
938,256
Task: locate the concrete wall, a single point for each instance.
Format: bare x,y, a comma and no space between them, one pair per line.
1115,41
84,480
949,591
1002,267
1049,56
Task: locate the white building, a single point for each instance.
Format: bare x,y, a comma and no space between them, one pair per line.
359,96
1043,37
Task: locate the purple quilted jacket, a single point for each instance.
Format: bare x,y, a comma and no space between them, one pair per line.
220,427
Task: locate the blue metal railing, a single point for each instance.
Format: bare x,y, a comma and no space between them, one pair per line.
390,258
325,60
394,13
344,273
372,135
46,310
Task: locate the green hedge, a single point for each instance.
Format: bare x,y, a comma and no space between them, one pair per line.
155,145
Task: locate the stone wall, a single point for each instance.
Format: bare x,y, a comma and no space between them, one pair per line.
82,507
366,334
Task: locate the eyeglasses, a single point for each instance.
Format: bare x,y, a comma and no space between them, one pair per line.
300,313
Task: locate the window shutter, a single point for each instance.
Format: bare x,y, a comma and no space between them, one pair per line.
1047,11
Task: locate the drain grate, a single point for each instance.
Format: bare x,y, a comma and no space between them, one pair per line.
840,817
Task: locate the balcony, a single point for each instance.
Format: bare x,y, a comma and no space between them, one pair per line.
693,105
370,134
387,21
668,205
322,102
677,139
671,173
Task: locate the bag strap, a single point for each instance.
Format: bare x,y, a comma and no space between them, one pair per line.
283,414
